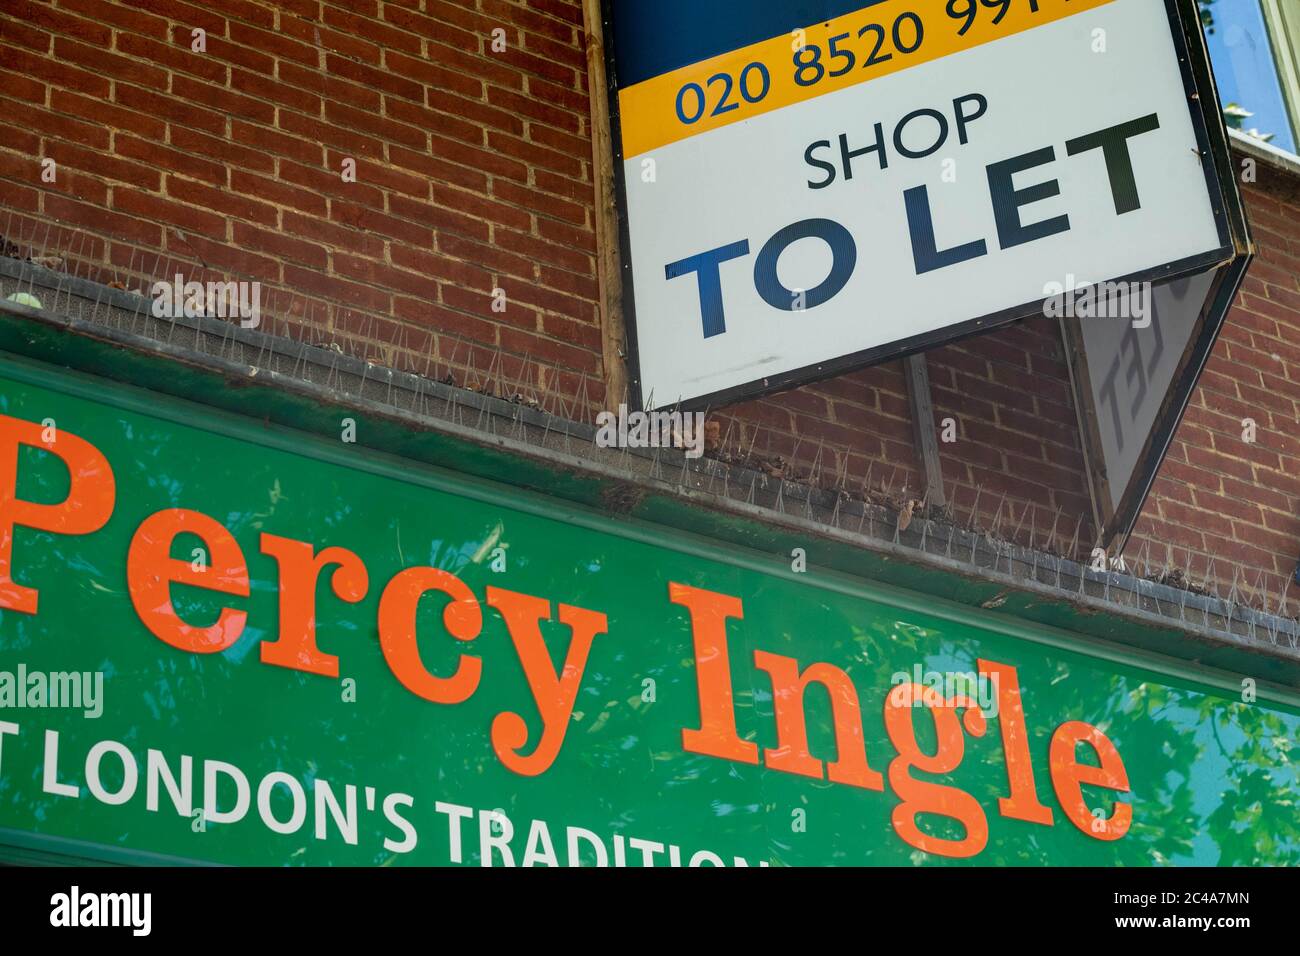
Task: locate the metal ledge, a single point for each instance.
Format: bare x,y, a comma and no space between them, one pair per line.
257,375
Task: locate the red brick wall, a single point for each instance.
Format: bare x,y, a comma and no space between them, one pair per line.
474,174
1227,501
473,166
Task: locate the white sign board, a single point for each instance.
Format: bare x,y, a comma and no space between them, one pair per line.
897,176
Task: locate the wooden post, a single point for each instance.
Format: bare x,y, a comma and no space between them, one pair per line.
608,258
918,394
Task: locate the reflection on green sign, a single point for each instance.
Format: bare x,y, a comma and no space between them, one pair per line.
312,654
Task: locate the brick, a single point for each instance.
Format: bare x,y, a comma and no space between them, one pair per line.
582,286
274,191
380,80
375,126
1238,509
330,85
548,300
231,53
174,56
411,21
16,33
169,212
221,201
105,114
308,10
436,168
228,261
165,107
441,218
320,134
576,101
360,217
534,108
475,111
20,168
62,209
20,140
383,177
486,160
349,46
330,182
533,155
563,10
562,232
53,72
1266,498
549,350
446,320
273,91
542,250
465,275
536,66
471,64
339,237
227,152
108,167
540,202
102,62
384,276
59,21
493,257
271,141
188,14
23,87
21,198
222,100
123,18
433,74
274,44
337,289
350,23
486,209
443,124
564,51
581,192
561,142
575,333
176,160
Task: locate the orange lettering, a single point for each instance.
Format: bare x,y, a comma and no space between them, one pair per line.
151,571
717,735
300,567
86,509
554,696
921,796
1068,774
462,617
1023,803
791,754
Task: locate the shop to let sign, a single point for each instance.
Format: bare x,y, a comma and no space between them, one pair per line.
307,655
813,186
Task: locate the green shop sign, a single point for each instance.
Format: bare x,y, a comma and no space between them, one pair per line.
221,641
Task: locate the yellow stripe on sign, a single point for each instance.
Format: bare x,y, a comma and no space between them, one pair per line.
852,49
